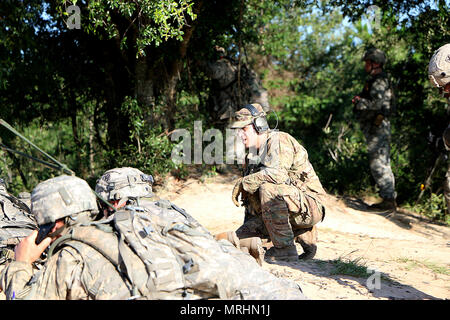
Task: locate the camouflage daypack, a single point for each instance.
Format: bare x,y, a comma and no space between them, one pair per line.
16,222
163,253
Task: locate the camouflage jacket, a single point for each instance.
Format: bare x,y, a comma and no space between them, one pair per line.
281,160
377,97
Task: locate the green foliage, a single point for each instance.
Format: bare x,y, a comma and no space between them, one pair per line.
150,151
432,206
111,93
435,268
55,139
349,267
154,21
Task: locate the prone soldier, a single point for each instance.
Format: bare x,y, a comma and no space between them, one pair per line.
130,186
135,253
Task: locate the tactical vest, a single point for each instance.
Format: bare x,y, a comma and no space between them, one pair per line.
389,109
161,253
301,178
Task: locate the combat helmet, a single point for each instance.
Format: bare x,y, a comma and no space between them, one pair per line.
375,55
124,184
439,66
61,197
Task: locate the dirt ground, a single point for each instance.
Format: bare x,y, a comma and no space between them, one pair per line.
409,255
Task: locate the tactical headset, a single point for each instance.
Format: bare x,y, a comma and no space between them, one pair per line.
259,121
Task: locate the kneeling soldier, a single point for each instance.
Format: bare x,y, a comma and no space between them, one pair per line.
279,189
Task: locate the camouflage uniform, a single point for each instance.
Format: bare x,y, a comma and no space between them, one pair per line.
183,262
227,94
376,99
16,222
283,193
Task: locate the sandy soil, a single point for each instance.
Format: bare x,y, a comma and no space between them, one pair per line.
410,255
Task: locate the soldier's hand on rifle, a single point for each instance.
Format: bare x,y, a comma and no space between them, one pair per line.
378,120
237,190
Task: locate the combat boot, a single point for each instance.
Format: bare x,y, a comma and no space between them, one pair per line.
254,247
308,239
288,253
385,205
230,236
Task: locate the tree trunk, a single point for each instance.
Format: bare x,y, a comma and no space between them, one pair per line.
160,78
118,86
145,89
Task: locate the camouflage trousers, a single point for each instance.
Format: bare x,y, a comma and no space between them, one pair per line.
378,146
285,213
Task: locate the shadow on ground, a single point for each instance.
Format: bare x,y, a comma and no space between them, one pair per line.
386,287
401,217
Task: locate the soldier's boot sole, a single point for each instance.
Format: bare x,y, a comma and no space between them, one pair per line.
230,236
308,239
254,247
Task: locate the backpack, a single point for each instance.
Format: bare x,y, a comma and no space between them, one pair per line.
16,222
163,253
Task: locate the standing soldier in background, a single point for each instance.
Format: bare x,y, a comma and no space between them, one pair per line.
439,75
233,86
373,107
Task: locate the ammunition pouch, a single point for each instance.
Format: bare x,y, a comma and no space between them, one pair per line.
311,211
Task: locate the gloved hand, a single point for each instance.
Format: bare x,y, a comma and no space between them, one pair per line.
378,120
237,190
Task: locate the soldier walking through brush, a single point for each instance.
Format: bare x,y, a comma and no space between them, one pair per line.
373,107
